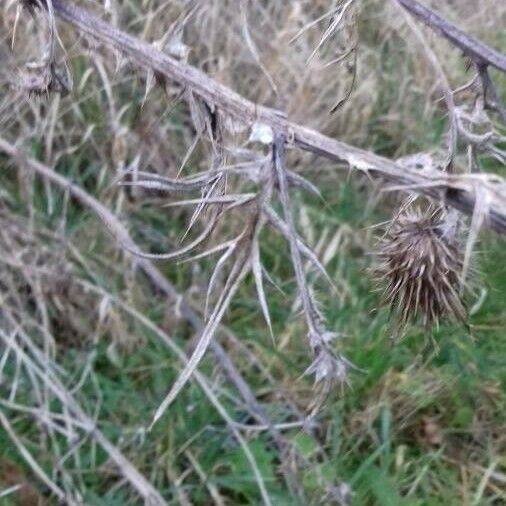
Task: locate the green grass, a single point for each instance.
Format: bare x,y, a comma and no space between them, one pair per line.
418,427
373,435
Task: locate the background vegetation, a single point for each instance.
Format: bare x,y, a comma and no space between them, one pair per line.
422,425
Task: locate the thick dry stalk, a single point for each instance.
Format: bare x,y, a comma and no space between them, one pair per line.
479,52
457,191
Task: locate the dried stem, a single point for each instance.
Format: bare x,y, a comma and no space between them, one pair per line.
326,366
479,52
455,191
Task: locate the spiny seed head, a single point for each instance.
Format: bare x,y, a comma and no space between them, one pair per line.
422,266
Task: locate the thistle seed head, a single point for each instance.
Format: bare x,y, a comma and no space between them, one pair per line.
422,265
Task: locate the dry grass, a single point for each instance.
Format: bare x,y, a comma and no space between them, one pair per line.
80,326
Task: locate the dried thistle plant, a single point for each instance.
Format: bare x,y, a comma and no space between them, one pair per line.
423,260
422,256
